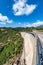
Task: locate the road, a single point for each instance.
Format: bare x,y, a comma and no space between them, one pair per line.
39,48
32,51
39,59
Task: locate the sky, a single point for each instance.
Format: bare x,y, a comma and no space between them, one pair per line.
21,13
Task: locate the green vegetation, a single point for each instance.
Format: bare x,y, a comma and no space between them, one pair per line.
40,28
10,44
27,29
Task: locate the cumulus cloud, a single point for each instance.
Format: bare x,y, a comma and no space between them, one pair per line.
22,8
4,19
37,23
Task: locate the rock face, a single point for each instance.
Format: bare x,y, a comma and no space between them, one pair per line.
29,49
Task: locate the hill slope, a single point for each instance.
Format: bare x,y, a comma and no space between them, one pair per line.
10,44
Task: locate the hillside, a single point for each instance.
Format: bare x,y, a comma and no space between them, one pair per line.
10,44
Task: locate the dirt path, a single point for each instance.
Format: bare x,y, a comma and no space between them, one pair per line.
29,51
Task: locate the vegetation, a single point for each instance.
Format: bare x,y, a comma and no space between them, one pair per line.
40,28
10,44
27,29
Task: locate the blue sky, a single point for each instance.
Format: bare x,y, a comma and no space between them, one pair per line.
21,13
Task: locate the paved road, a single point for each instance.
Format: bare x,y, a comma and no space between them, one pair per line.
39,50
28,46
39,60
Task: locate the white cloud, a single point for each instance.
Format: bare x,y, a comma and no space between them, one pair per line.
4,19
22,8
37,23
